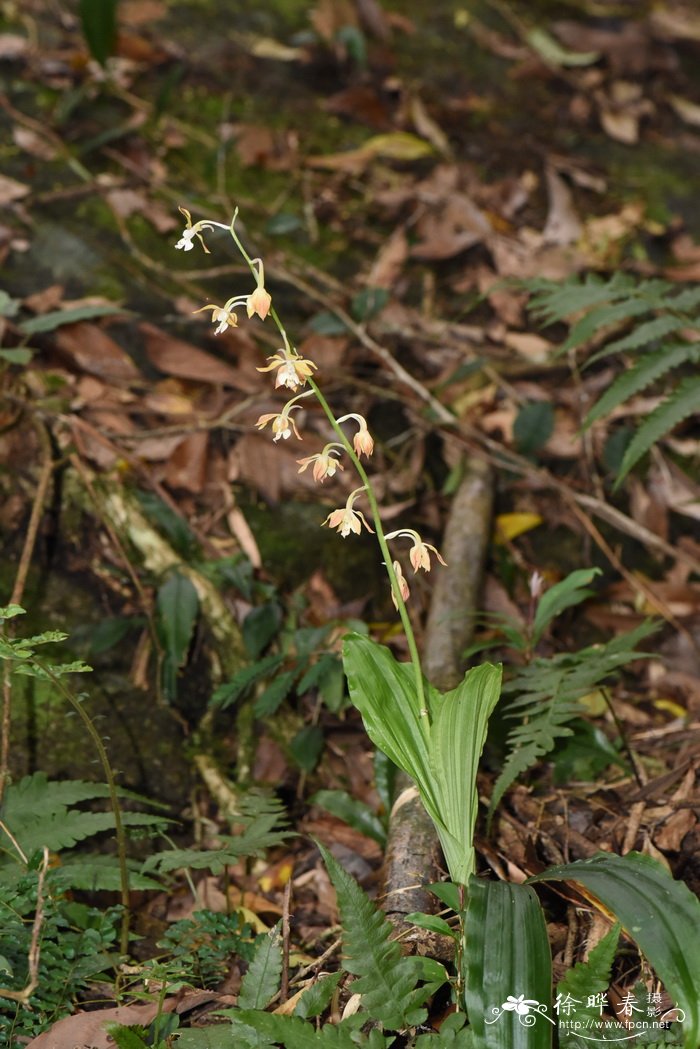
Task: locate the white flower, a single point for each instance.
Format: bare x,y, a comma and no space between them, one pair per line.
292,370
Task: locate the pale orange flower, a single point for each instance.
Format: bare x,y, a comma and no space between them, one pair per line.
282,424
259,301
403,585
362,441
419,553
324,463
347,520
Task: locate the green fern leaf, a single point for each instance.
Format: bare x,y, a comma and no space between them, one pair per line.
554,301
548,692
295,1033
646,370
37,813
262,981
647,332
264,825
684,401
685,300
603,317
589,979
387,981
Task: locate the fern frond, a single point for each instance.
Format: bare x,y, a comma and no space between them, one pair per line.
264,825
587,983
683,402
548,693
645,333
295,1033
37,813
684,300
386,980
603,317
646,370
262,981
554,301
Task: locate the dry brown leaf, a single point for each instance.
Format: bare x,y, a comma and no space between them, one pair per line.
670,835
187,465
91,349
126,202
176,357
141,12
427,128
680,22
87,1029
457,225
11,190
246,540
45,300
563,225
33,142
527,344
13,46
327,351
271,468
390,260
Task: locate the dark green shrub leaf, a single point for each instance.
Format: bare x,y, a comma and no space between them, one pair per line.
353,812
533,426
99,22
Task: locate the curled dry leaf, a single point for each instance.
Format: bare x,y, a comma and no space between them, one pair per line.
187,465
182,359
92,350
11,190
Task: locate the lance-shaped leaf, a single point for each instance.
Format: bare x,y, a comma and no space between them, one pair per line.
507,967
384,692
661,915
457,739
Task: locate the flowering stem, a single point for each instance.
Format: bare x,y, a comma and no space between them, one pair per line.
422,711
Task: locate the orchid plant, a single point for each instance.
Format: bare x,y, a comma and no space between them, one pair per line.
437,739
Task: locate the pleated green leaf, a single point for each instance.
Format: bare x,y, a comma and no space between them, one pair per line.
457,739
508,977
661,915
384,692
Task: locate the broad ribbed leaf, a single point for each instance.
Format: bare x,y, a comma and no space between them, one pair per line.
384,692
457,739
661,915
507,967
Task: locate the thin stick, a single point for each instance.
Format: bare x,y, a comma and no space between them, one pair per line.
286,903
35,944
17,592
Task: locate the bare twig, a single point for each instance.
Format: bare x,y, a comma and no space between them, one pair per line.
18,590
35,944
286,902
